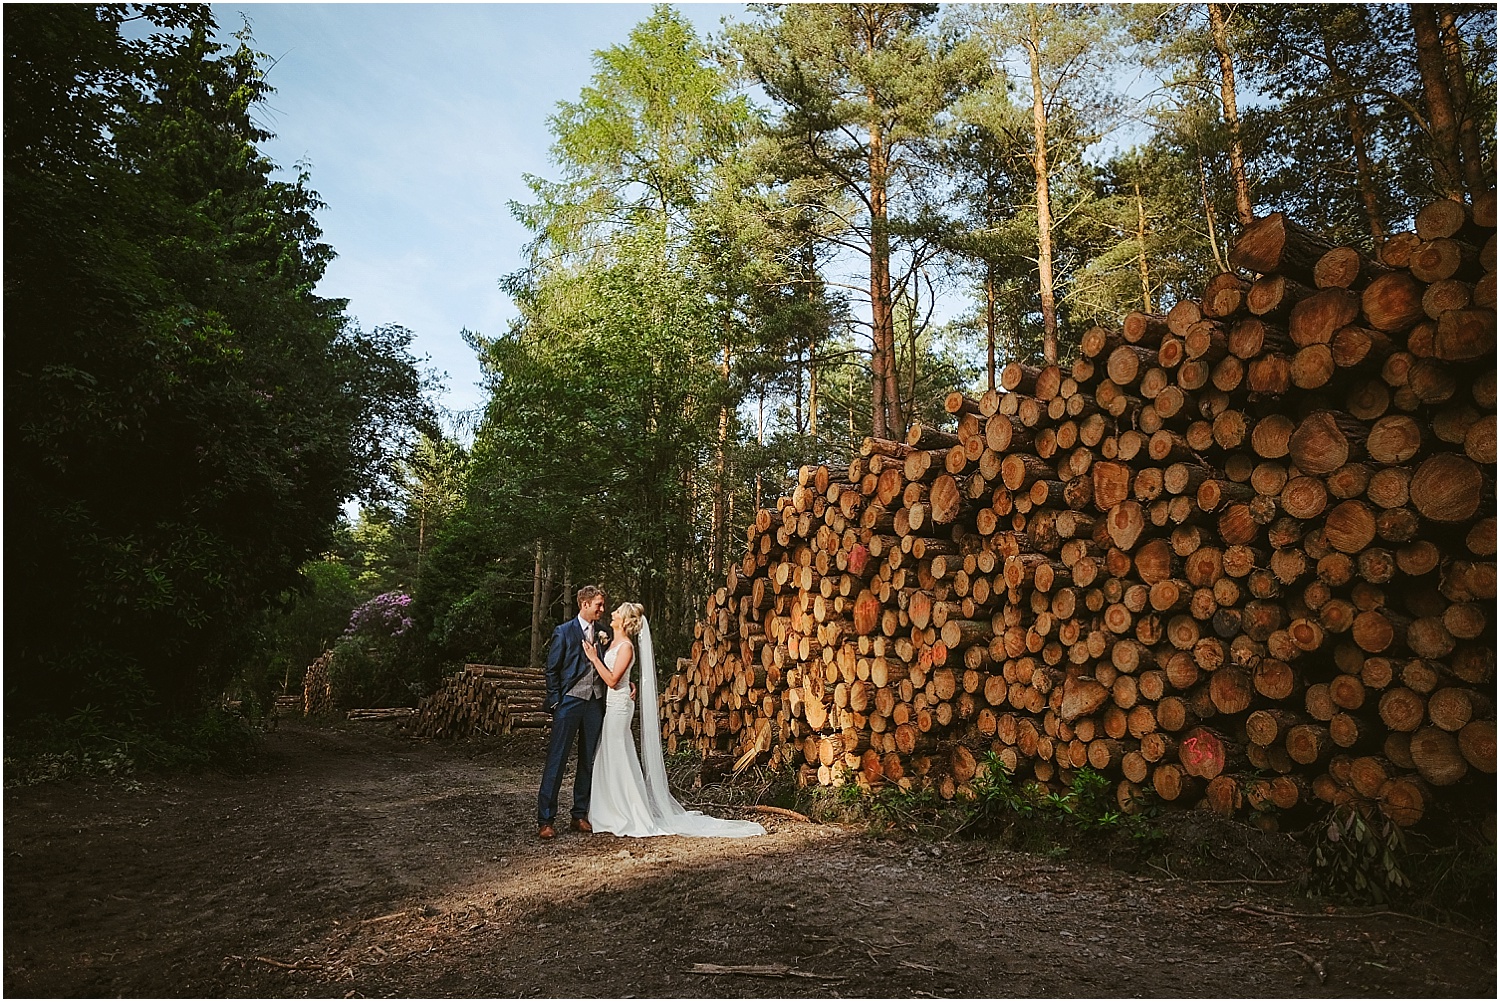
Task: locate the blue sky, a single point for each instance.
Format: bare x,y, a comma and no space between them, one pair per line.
417,123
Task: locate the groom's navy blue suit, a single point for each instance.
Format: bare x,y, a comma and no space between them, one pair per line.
572,715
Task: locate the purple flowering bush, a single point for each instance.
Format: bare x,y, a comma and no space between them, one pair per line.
386,615
371,661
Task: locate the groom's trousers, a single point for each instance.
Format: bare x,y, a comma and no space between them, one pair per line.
582,719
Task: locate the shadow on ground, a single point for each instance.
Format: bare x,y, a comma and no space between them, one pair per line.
354,862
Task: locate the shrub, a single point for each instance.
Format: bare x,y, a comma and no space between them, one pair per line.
374,662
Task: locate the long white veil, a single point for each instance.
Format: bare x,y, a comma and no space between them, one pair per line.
665,810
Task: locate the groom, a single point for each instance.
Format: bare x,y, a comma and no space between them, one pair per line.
575,698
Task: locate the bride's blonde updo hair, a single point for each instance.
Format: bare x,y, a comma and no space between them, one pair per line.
631,614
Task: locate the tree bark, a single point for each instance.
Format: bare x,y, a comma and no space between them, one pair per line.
887,393
1219,24
1458,85
879,425
989,320
536,609
1140,239
810,268
1043,197
1209,215
718,542
1358,133
1443,123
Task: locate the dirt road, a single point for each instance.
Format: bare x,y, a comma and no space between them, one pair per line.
355,863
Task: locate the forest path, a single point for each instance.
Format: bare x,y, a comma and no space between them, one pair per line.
356,863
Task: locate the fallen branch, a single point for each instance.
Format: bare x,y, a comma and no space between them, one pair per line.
300,965
384,918
1358,915
761,971
780,812
1315,965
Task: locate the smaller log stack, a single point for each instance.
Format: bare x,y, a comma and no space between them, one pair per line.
483,700
523,690
381,713
317,687
1240,556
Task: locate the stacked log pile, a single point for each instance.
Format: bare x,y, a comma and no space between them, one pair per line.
483,700
317,687
1240,556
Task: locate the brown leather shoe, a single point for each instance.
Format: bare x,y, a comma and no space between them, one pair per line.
547,831
582,825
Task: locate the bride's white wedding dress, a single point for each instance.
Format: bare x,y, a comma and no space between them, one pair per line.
627,799
618,804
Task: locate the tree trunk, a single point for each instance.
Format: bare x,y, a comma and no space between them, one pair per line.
1458,85
1209,215
886,397
989,319
812,392
536,609
1220,29
809,267
1443,123
1140,239
1043,198
421,531
1358,133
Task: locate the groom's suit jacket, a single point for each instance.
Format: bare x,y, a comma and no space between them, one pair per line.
567,665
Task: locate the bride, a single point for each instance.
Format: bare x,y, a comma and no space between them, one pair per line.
627,799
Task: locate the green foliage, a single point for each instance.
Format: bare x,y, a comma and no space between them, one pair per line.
861,94
370,673
1026,815
373,663
1051,64
90,743
1358,859
1333,71
906,810
1089,801
640,141
304,623
997,795
1444,869
602,409
1088,805
687,232
185,417
611,429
